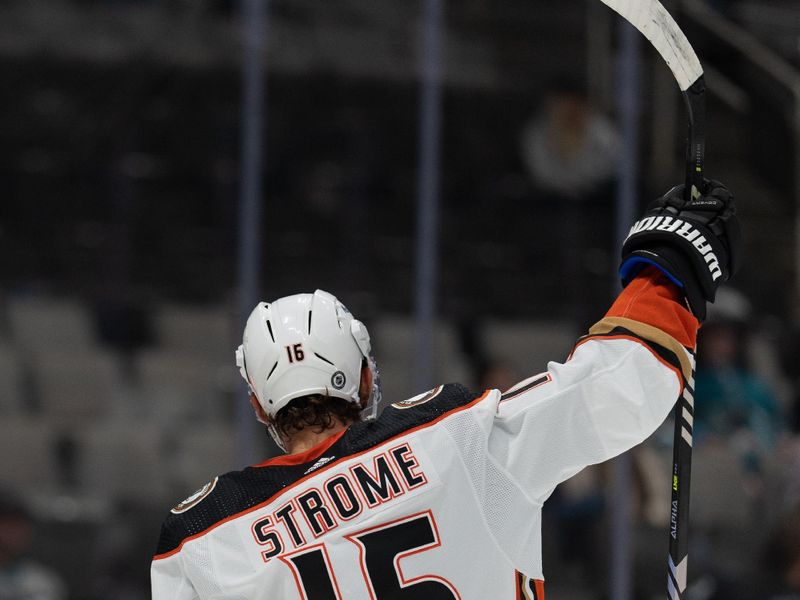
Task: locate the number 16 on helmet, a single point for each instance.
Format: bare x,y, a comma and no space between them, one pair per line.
303,345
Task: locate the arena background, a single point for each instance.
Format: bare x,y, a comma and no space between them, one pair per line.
166,164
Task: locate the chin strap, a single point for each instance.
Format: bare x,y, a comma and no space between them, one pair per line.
370,411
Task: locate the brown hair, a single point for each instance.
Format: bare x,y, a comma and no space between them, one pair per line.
315,411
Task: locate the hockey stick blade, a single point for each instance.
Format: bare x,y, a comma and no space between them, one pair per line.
657,25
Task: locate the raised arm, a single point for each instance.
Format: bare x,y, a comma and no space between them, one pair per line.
623,378
615,389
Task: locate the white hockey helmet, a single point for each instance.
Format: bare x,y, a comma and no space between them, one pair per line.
305,344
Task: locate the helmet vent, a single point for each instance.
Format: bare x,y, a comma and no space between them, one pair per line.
309,322
323,358
269,326
272,370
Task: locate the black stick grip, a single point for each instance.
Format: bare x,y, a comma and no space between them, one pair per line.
695,98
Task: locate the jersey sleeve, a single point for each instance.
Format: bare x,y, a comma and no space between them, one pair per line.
168,582
616,388
168,579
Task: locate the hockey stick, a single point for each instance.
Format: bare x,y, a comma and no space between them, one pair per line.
656,24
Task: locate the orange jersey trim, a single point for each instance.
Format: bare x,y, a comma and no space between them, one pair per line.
524,586
653,299
302,457
314,473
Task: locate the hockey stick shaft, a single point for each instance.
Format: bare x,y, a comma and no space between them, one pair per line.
656,24
681,478
684,408
695,98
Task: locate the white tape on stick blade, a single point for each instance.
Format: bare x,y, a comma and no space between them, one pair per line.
658,26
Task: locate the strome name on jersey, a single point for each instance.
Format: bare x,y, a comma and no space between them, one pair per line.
341,497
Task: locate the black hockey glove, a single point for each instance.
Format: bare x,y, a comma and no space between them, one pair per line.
697,244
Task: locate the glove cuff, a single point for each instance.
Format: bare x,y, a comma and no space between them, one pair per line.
675,265
632,265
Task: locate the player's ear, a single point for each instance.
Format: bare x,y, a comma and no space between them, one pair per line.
365,387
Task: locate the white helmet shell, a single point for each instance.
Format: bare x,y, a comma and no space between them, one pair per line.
301,345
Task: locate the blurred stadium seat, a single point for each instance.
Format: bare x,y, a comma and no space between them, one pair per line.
27,454
201,454
178,386
202,330
120,460
717,476
394,344
12,398
48,323
528,346
76,385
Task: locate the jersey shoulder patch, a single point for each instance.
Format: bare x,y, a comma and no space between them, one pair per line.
215,502
403,416
195,498
417,400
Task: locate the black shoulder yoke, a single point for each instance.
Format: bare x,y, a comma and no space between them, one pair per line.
238,491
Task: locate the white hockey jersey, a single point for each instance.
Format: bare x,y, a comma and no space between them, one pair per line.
441,496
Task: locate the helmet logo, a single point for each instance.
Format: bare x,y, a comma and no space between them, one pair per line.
338,380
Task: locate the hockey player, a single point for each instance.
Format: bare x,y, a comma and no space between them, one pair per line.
440,496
